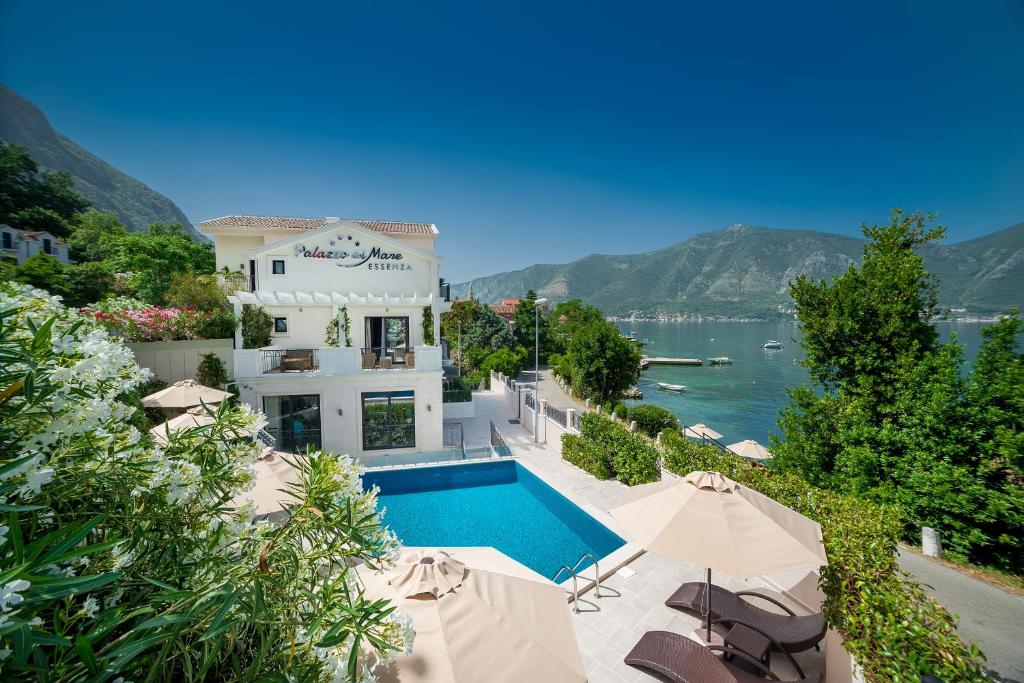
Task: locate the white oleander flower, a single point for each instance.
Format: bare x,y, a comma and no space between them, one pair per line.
10,594
90,607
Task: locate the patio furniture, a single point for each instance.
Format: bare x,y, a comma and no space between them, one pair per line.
749,641
385,362
410,359
681,660
297,361
789,632
369,360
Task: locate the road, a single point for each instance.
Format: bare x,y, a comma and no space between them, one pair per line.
549,389
989,616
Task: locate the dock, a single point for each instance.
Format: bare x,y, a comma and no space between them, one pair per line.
661,360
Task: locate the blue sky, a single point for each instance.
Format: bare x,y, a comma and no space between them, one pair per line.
544,132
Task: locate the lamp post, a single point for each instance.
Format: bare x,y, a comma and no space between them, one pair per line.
536,367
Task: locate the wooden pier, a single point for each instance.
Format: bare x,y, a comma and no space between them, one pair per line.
660,360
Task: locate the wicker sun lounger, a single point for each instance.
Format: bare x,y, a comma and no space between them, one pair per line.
681,660
788,632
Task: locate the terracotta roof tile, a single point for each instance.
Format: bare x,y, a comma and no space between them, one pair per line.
293,223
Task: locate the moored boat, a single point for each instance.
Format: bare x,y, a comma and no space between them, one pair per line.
678,388
771,344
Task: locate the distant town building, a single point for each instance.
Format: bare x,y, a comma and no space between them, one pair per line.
21,245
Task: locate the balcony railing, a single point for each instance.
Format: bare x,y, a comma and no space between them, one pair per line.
456,390
290,360
385,357
295,441
446,291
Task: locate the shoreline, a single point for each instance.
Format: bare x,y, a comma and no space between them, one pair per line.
614,319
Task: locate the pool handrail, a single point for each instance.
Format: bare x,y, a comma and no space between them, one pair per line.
573,573
597,572
575,587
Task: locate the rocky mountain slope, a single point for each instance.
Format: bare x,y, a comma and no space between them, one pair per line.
136,204
743,271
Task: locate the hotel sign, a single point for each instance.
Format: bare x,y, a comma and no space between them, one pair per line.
347,252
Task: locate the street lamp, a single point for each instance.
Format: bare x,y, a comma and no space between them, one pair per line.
536,367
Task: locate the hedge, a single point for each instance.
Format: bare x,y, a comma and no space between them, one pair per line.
632,458
651,419
587,456
890,626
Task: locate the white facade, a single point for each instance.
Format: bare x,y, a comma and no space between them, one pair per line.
304,272
22,245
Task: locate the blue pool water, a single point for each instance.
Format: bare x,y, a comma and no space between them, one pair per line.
499,504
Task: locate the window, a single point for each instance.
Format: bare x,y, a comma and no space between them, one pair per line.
389,420
47,245
8,244
293,421
277,266
280,325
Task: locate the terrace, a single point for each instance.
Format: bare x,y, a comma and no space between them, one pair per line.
274,360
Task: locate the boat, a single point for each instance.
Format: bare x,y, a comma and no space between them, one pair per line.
771,344
720,360
678,388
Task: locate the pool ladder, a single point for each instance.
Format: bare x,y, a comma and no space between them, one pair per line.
574,573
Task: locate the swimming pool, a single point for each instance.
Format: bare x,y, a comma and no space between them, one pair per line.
499,504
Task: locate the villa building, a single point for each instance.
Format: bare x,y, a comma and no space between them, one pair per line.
21,245
380,390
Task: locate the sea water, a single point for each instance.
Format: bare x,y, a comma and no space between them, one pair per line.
741,400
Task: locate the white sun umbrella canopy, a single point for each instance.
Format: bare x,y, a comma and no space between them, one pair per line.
750,450
712,521
190,419
478,616
184,394
274,475
701,431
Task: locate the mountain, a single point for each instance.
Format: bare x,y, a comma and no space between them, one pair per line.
743,272
135,203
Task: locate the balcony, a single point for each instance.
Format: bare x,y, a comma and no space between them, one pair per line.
277,362
289,360
445,291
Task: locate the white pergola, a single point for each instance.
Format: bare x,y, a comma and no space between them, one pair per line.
275,298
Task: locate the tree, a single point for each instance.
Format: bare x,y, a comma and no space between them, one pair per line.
524,321
889,415
155,256
567,317
211,371
88,283
599,363
256,327
428,326
44,272
487,330
31,199
93,235
510,362
202,292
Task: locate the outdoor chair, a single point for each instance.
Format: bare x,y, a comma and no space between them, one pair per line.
788,632
681,660
369,360
410,359
297,361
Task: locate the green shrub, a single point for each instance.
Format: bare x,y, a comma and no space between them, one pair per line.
341,320
211,371
428,326
509,362
634,460
620,411
890,626
586,455
256,327
651,419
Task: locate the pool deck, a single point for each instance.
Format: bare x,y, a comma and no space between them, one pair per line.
632,598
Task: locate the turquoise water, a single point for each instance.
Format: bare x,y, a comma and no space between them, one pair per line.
742,400
498,504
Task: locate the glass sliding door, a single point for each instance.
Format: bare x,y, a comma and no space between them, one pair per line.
388,337
293,421
389,420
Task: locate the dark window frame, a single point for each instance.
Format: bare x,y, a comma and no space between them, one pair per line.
47,245
273,266
279,318
389,428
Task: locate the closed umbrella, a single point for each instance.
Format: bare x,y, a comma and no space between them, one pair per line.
710,520
184,394
750,449
702,431
478,616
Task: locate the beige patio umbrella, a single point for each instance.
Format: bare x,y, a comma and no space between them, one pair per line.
184,394
479,616
273,476
710,520
701,431
190,419
750,449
